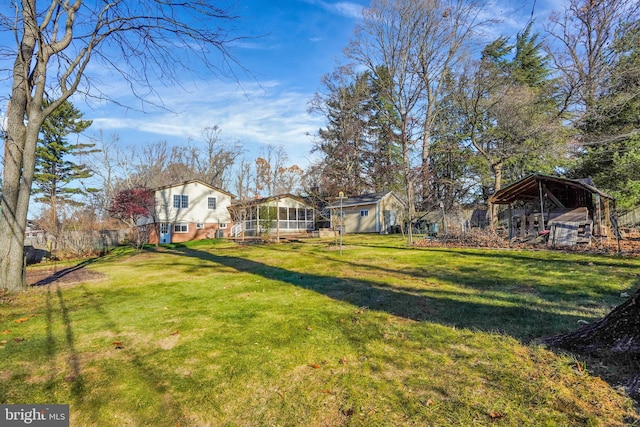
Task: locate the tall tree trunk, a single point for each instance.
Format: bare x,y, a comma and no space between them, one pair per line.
497,184
12,228
408,182
18,177
19,159
425,168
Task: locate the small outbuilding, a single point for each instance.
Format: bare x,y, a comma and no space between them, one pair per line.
570,211
367,213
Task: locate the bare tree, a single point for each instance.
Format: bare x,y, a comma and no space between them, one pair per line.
56,42
243,180
581,39
273,176
213,164
114,167
409,47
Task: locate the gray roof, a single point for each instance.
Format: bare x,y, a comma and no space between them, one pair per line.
362,199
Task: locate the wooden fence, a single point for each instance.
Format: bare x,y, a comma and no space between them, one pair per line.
630,219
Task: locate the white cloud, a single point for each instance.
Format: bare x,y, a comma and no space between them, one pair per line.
255,115
346,9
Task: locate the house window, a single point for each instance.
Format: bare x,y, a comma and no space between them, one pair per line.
164,228
180,201
180,227
199,225
364,212
222,225
211,203
293,214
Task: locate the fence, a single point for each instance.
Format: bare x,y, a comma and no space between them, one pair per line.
630,219
71,243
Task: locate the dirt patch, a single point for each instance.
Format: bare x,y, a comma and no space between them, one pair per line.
61,276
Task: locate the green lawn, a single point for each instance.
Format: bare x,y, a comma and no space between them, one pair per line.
214,333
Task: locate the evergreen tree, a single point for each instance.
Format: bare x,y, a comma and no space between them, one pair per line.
55,169
384,154
513,117
359,145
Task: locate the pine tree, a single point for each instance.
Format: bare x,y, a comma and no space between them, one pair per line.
55,168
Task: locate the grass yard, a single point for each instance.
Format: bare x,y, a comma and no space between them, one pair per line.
219,334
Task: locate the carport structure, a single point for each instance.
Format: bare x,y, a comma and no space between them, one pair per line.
572,210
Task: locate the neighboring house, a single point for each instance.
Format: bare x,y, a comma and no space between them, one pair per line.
191,210
368,213
284,214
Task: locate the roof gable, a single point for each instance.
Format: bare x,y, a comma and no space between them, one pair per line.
193,181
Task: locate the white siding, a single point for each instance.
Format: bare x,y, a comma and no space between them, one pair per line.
197,211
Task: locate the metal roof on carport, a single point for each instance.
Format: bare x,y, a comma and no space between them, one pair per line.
529,188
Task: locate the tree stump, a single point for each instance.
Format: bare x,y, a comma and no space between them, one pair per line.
613,339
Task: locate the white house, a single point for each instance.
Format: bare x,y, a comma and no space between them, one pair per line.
190,210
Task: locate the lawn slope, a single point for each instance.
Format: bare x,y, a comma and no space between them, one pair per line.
215,333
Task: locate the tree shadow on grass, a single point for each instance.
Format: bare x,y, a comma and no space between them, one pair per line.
512,315
83,398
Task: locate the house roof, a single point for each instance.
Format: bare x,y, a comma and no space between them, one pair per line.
255,202
528,188
363,199
193,181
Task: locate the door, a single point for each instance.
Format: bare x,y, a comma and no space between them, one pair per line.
390,221
165,232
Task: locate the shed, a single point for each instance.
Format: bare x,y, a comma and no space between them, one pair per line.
368,213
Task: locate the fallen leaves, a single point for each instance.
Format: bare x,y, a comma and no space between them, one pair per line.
348,412
495,415
21,320
118,345
6,332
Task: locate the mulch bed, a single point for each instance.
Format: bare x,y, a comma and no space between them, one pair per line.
61,276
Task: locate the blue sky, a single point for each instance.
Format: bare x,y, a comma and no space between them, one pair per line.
299,41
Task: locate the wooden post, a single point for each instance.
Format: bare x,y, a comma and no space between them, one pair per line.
599,215
510,222
277,220
541,203
607,219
